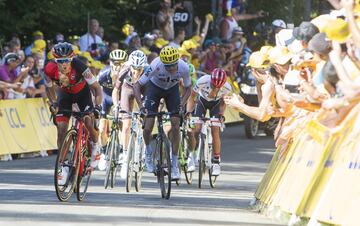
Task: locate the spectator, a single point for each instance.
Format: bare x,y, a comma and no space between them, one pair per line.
38,35
164,19
148,44
212,57
229,21
8,69
134,43
15,47
277,26
39,53
179,38
305,32
91,41
128,31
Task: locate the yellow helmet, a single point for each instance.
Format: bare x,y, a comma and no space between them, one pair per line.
169,55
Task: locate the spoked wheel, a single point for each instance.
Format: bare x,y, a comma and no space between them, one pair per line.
164,167
110,165
84,175
212,178
130,163
202,165
138,174
251,127
188,175
67,162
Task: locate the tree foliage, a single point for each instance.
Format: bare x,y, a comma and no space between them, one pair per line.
69,17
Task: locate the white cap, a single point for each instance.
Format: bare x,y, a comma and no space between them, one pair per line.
279,23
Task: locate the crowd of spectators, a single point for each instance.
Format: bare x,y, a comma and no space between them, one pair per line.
21,67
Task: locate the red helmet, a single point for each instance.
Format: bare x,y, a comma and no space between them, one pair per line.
218,77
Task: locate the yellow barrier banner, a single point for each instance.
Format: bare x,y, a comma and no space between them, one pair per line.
45,129
22,130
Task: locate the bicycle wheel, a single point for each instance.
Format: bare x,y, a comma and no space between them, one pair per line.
129,162
116,166
164,167
202,165
69,161
110,149
188,175
84,174
212,179
140,164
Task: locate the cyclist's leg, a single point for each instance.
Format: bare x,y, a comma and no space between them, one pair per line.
84,100
215,130
172,101
216,141
126,104
64,101
104,123
199,111
152,99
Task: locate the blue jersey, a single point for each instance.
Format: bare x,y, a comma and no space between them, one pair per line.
105,81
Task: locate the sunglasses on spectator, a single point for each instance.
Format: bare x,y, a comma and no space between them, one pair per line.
137,68
63,60
169,66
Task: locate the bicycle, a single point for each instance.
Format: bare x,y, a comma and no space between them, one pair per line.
74,155
205,148
112,151
135,153
161,156
183,151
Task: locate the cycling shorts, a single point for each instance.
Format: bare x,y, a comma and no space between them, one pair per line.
202,105
65,101
153,95
107,103
127,98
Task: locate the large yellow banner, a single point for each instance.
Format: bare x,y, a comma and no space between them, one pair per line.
25,126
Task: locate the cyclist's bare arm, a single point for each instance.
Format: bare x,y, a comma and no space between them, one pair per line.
137,93
115,95
97,91
191,102
222,106
186,95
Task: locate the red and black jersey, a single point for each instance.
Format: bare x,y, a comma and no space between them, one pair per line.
76,75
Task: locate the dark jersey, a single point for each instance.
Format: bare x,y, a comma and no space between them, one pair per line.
77,77
105,81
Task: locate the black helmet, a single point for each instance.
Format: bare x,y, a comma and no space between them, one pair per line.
63,49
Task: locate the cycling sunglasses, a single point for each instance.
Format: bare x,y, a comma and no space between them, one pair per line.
63,60
117,63
137,68
168,66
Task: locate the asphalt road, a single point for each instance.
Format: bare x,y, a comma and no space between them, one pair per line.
27,195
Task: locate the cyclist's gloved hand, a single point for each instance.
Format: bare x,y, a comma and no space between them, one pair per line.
97,111
53,108
143,111
222,118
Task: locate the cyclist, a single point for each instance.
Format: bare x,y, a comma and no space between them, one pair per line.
74,85
130,74
209,92
107,78
162,80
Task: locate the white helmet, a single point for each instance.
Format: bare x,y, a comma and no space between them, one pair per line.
118,55
138,59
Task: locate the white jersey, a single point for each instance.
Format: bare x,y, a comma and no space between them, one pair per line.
158,75
203,88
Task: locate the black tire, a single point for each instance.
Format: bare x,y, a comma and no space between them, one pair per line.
164,167
84,175
188,175
138,175
202,165
251,127
64,192
130,161
110,167
212,179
